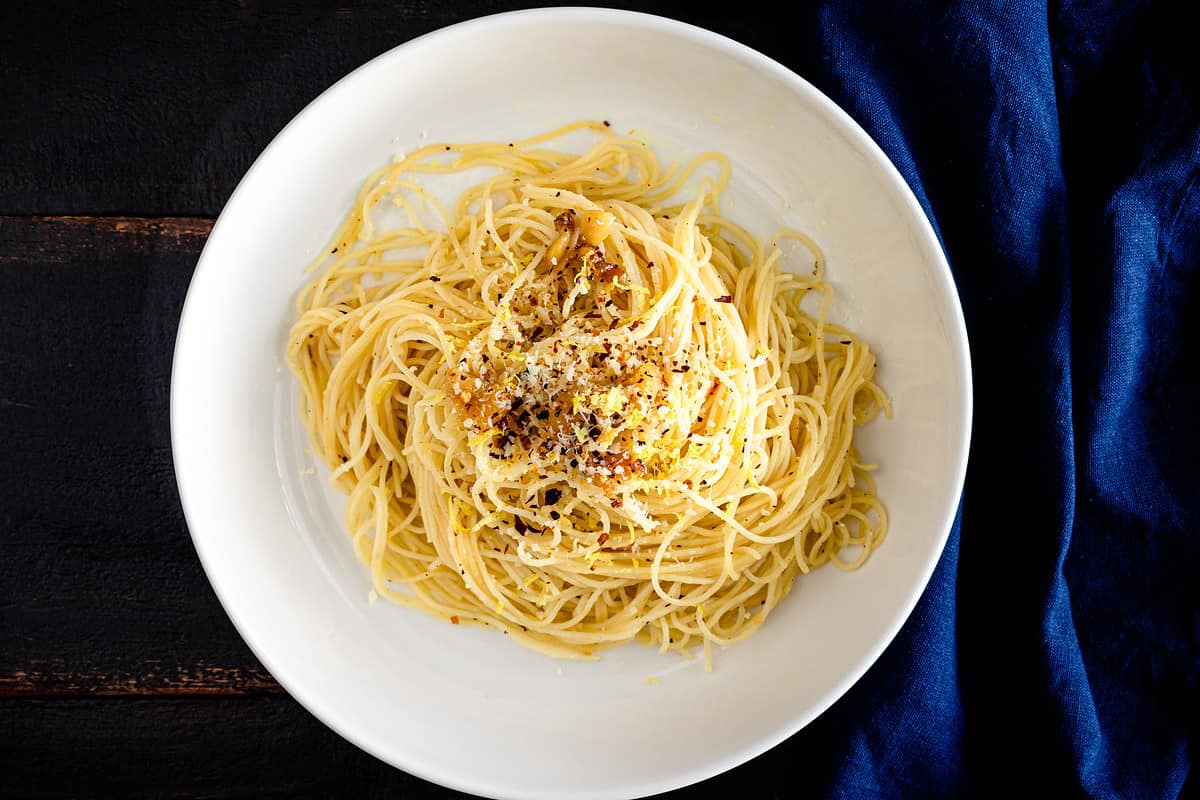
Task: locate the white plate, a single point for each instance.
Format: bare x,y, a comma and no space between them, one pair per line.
468,708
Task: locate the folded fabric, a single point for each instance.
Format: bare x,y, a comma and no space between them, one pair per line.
1056,151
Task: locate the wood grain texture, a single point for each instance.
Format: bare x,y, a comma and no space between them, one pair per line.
101,590
70,239
148,678
251,747
160,108
245,747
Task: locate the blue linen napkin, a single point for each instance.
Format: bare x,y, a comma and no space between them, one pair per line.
1056,649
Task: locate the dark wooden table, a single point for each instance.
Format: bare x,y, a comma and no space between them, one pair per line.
122,132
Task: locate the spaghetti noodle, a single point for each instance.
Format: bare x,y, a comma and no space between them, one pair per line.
578,410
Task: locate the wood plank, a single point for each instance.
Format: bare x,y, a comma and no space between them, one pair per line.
161,113
100,588
67,239
246,747
153,678
183,747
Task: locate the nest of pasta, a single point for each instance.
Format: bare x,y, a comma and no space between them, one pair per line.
580,405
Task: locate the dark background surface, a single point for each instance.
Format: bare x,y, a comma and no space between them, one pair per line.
123,129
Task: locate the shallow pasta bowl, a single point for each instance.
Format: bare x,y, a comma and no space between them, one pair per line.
467,708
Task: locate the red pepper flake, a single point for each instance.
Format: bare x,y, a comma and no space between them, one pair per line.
454,618
603,538
441,313
724,299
